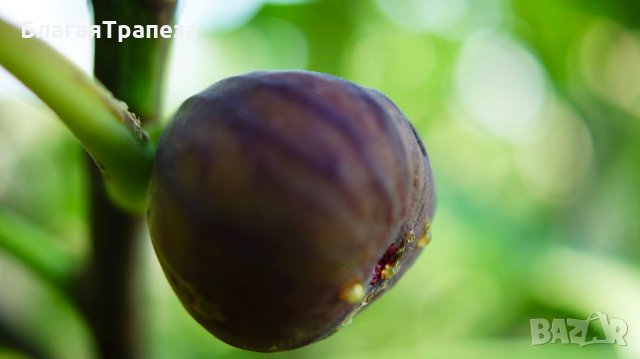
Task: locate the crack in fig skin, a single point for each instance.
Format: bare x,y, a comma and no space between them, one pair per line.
274,196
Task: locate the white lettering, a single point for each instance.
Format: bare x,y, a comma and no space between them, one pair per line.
27,30
123,32
43,31
57,31
559,331
109,24
155,31
540,333
165,31
96,31
138,31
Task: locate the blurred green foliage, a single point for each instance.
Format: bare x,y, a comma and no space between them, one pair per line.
530,111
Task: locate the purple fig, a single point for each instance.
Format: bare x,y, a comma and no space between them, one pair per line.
282,203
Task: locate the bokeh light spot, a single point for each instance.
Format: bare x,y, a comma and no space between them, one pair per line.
501,86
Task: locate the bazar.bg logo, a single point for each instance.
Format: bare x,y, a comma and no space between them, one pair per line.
574,331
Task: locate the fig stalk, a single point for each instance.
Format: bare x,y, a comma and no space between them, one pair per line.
109,132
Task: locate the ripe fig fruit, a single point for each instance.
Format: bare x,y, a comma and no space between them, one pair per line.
282,203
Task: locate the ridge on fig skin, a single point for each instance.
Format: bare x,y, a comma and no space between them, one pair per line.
283,203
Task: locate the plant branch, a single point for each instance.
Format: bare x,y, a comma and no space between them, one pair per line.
110,133
105,289
133,71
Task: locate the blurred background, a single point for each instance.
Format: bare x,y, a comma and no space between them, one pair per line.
530,111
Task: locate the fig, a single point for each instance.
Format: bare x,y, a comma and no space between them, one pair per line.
282,203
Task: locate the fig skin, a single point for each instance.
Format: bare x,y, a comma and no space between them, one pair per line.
278,198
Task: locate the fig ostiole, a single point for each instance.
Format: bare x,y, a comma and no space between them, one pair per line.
282,203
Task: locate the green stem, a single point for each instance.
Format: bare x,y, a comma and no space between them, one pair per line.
110,133
134,69
35,248
14,339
